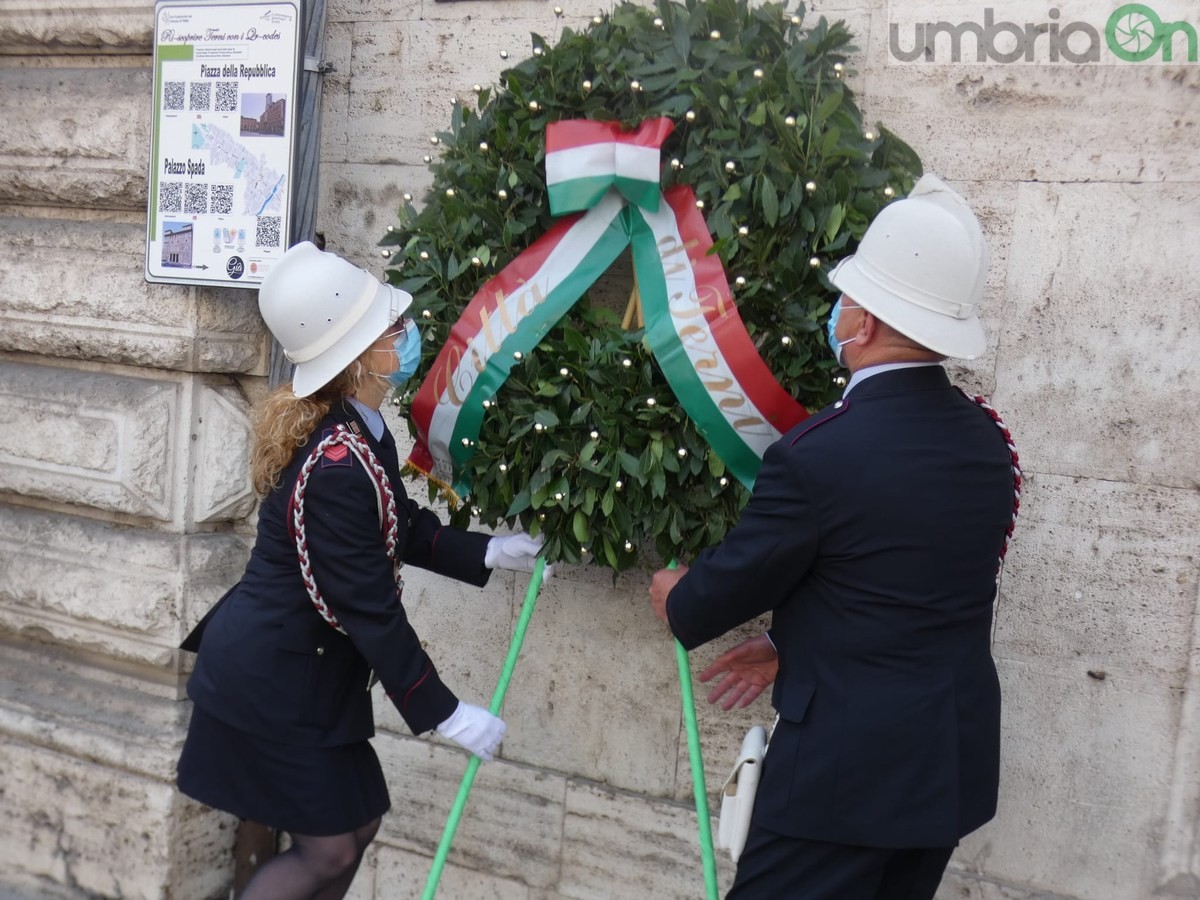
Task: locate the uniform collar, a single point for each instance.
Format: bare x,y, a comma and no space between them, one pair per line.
372,418
863,374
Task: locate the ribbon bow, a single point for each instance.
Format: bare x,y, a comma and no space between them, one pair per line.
585,158
608,180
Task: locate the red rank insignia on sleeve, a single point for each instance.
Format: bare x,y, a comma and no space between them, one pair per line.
336,455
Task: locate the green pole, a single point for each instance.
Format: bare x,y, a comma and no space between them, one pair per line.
697,761
464,788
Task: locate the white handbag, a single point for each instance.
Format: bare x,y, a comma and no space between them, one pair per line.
737,796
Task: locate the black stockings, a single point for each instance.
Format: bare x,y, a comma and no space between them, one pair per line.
313,868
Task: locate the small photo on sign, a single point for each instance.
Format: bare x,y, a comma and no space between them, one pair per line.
263,115
177,244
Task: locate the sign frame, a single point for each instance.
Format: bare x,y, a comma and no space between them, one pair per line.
250,52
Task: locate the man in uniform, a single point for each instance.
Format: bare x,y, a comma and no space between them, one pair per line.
873,537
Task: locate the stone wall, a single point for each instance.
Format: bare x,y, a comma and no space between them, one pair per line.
124,510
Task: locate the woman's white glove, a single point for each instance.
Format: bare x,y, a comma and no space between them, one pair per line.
514,551
474,728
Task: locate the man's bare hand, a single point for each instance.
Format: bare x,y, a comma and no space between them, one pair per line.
660,587
748,668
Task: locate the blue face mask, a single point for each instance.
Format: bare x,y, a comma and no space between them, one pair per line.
831,330
408,351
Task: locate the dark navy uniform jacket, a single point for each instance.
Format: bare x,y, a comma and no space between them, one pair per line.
270,665
873,537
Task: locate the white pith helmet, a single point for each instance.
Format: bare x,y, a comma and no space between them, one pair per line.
325,311
921,268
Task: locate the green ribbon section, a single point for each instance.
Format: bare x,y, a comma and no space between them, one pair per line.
678,368
527,336
645,194
578,193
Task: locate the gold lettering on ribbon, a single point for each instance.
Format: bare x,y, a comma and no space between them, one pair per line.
506,321
524,304
712,301
670,246
453,379
485,323
702,350
443,378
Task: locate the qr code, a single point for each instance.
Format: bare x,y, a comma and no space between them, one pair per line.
173,95
222,199
266,234
170,196
227,96
196,199
200,96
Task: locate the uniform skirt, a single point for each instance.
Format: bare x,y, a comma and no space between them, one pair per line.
316,791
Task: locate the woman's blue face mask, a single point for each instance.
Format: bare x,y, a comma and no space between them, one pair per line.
408,351
407,347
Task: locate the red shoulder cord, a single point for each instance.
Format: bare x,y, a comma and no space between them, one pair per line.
1016,466
385,502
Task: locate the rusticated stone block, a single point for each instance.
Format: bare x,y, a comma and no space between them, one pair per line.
75,290
1086,766
359,202
117,443
81,704
617,845
399,873
101,441
1102,575
221,489
402,80
88,784
423,780
77,26
1102,284
335,97
437,10
594,657
75,137
124,592
76,823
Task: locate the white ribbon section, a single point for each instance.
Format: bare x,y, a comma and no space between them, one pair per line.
512,308
697,340
607,158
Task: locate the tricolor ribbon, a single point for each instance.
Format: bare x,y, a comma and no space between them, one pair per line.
584,159
692,324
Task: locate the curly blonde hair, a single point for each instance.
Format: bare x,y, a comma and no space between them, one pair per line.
282,423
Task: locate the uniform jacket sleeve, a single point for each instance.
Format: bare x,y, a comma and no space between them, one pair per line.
759,563
444,550
355,578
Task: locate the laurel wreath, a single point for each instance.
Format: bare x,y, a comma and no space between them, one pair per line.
770,139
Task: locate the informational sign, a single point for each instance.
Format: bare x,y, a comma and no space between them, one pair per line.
223,140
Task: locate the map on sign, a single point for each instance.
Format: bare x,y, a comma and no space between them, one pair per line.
262,184
223,140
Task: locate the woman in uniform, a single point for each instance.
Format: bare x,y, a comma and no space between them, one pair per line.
281,690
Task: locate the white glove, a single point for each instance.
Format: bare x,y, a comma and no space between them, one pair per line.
515,551
474,728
